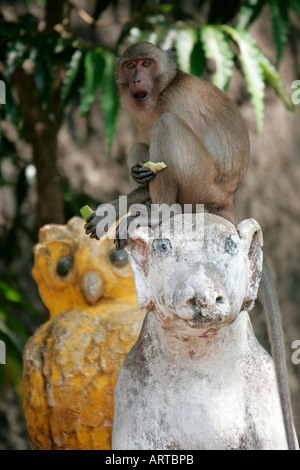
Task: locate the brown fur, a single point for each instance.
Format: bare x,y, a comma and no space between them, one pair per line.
189,124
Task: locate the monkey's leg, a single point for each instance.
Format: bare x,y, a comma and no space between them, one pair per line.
138,155
139,217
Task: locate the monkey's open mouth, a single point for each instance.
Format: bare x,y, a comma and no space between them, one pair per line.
141,96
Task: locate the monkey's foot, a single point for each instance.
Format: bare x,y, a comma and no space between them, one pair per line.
122,232
139,218
141,175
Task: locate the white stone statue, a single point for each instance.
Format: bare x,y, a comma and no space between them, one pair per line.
197,378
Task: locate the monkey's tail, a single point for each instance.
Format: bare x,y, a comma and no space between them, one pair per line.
276,336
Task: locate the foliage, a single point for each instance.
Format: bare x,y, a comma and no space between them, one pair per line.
226,45
212,47
13,308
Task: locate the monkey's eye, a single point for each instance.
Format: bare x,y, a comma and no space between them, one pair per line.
119,258
162,247
231,245
147,63
64,266
130,66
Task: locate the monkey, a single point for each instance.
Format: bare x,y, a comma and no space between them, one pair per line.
199,133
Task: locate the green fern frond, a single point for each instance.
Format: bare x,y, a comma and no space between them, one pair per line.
94,64
216,47
279,12
295,4
184,43
272,77
248,13
250,57
109,98
73,77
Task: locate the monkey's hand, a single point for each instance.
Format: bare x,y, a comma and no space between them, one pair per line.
99,222
141,174
91,224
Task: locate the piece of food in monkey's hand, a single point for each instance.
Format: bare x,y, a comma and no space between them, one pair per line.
85,212
155,167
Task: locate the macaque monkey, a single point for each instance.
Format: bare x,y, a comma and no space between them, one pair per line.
199,133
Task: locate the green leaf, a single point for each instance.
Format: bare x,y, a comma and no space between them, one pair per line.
279,11
73,77
99,66
197,57
248,13
295,4
216,47
184,43
10,294
109,98
94,65
13,323
250,57
12,337
272,77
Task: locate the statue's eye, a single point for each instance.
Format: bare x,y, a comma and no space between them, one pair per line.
147,63
118,258
231,246
130,66
64,266
162,248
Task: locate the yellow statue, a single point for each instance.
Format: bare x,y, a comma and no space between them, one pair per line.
72,361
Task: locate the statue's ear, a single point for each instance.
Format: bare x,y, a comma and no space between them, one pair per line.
138,249
252,241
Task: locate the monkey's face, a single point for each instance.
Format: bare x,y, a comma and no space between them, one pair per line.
143,72
137,81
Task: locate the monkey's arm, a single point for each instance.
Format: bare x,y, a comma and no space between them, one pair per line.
137,196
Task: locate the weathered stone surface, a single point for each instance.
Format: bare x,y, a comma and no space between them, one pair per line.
197,378
72,361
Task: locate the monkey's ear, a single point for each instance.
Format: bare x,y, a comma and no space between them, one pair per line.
252,239
172,54
138,250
